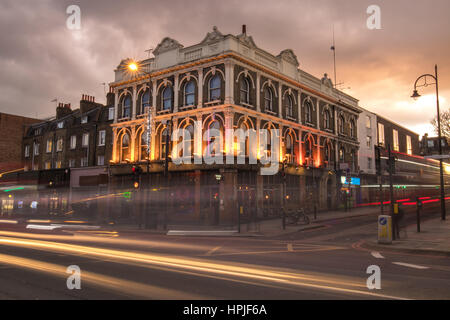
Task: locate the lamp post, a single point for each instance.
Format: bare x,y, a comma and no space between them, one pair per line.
416,95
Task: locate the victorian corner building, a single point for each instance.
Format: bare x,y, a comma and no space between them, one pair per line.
228,82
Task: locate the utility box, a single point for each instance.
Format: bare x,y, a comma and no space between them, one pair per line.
384,229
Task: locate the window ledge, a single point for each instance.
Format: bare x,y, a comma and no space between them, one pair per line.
291,118
213,102
143,115
270,112
124,119
191,106
247,105
164,111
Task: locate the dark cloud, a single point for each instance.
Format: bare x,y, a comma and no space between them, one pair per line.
41,59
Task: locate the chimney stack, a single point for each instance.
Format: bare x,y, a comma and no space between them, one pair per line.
244,29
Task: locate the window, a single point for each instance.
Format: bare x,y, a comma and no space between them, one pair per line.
58,164
59,144
268,99
37,131
341,154
188,140
290,107
189,93
125,148
352,128
144,101
73,142
369,142
214,88
395,139
369,163
85,140
111,114
244,91
163,144
101,137
430,143
47,165
408,145
341,125
100,160
84,119
167,98
60,124
71,163
126,107
84,162
35,166
27,151
308,111
289,149
381,134
48,149
368,122
36,149
327,119
211,143
144,146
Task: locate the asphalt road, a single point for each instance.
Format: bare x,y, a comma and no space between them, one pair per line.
325,263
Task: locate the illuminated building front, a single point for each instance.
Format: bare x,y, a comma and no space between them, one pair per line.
227,82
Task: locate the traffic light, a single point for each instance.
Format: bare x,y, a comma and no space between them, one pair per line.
137,170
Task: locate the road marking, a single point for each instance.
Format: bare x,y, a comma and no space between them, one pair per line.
377,255
289,247
210,252
415,266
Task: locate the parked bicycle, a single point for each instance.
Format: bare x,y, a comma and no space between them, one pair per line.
297,217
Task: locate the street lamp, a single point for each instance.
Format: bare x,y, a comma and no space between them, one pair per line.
415,96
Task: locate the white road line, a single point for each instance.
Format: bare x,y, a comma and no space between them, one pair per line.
377,255
289,247
415,266
210,252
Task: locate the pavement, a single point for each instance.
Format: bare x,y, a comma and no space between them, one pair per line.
434,239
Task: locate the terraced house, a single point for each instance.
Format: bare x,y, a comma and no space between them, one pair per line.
227,82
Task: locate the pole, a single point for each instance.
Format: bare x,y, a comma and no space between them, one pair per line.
391,191
166,171
315,199
441,169
419,205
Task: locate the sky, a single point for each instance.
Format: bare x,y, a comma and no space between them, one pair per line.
41,59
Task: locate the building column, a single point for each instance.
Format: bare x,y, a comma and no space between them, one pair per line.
229,116
280,101
197,206
198,139
229,83
200,88
133,110
175,92
317,115
154,94
116,105
153,133
133,143
114,156
299,102
258,92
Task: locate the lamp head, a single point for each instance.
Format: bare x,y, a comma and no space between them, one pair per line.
415,95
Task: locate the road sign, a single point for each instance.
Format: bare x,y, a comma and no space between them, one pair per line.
384,229
438,156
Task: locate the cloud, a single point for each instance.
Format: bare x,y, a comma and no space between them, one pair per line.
41,59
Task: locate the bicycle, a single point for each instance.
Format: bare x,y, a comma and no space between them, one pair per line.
297,217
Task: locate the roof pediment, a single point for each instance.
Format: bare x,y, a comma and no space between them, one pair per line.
167,44
289,56
247,40
213,36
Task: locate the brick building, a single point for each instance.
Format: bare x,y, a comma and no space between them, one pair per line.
227,82
12,129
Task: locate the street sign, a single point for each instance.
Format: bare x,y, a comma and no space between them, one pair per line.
438,156
384,229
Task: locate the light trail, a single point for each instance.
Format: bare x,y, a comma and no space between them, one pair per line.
129,288
222,269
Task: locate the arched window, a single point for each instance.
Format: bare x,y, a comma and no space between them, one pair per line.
125,148
268,99
163,144
189,93
238,148
214,88
245,91
289,148
327,119
352,129
289,106
126,107
328,153
341,124
167,98
308,148
188,140
144,101
211,142
144,151
341,154
308,111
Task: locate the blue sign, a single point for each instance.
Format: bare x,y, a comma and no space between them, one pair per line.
383,221
353,180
